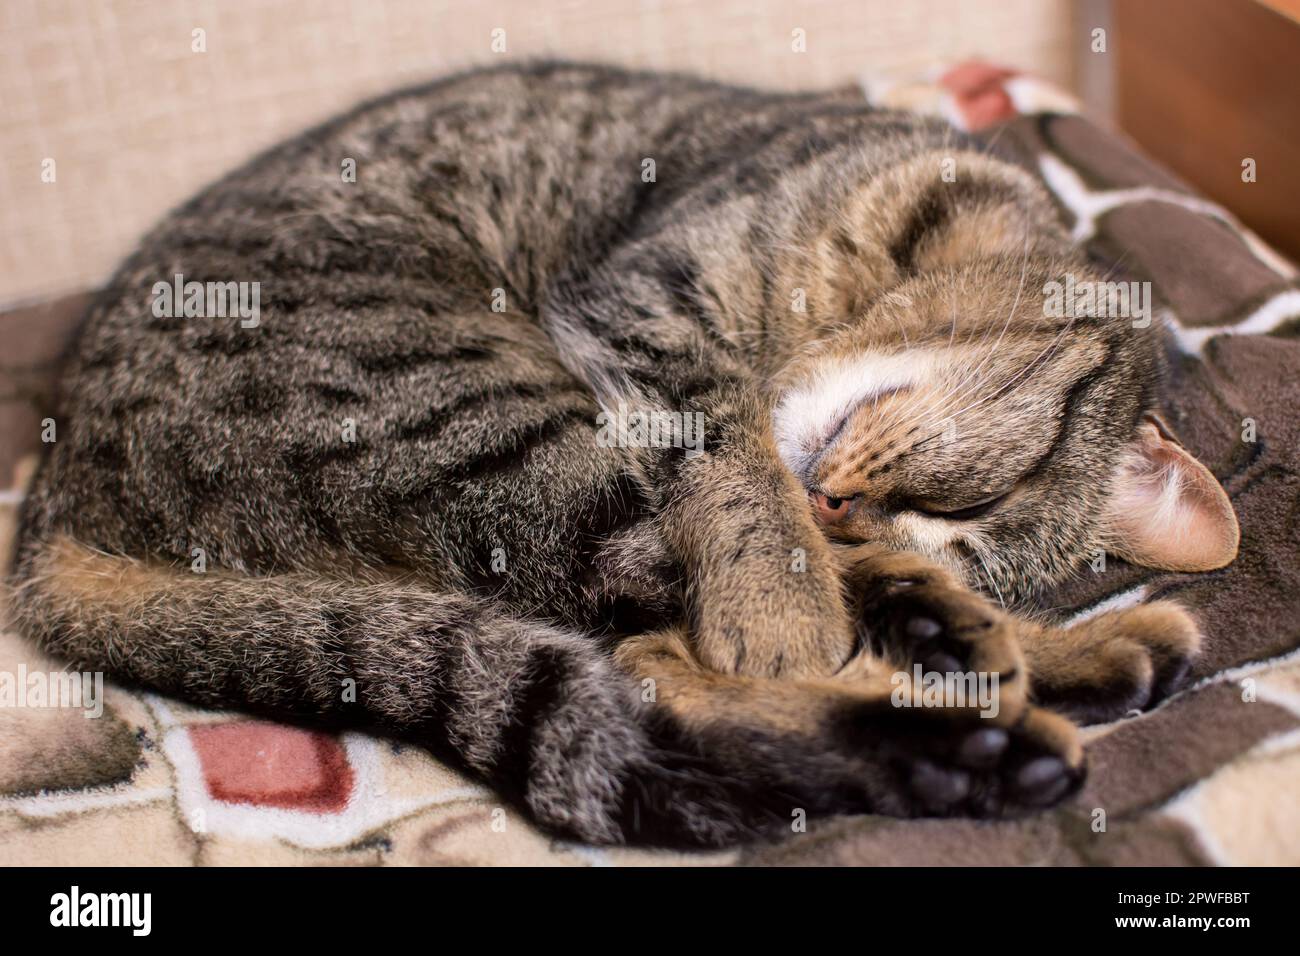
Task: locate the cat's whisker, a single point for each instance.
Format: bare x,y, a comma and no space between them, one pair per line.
967,386
978,550
972,380
1024,266
1032,367
927,403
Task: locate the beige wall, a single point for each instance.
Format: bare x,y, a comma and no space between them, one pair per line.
136,121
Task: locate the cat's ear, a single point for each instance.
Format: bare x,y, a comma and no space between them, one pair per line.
1166,510
957,208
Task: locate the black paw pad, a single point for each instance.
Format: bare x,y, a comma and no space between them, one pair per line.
1042,781
939,657
983,749
921,628
939,787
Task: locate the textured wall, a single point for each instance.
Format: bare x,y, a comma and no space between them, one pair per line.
135,121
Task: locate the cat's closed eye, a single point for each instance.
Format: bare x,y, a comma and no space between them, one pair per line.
965,513
831,510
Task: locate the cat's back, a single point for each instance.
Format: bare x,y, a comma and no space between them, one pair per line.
438,195
381,270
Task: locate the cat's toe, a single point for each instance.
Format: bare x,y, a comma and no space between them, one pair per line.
938,787
1172,678
982,749
1171,637
1041,766
1118,680
1041,782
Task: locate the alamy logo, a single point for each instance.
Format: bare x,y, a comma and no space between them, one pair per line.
655,428
1108,300
84,690
103,909
923,688
181,299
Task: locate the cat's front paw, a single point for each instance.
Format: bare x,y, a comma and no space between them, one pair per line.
1113,664
942,628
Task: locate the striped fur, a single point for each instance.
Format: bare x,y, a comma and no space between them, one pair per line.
395,478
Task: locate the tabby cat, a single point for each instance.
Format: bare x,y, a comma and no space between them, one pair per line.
423,471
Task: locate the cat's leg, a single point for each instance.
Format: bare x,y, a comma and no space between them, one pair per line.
762,587
542,713
764,596
846,744
1113,664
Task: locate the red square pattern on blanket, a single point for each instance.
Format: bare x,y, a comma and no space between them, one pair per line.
269,765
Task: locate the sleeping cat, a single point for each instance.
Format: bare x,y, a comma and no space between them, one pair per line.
418,493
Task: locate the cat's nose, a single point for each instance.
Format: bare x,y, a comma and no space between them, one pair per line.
829,510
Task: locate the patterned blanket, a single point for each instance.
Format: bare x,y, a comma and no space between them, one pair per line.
1210,776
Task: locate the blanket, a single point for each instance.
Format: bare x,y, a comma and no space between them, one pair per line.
1208,777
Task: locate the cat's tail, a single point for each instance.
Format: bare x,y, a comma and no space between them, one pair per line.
541,714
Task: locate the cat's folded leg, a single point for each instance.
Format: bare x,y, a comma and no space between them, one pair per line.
543,714
539,712
764,596
1113,664
762,586
782,750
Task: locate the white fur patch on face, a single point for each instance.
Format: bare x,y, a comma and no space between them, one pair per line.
808,415
927,535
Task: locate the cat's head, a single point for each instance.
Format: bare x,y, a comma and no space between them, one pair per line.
976,414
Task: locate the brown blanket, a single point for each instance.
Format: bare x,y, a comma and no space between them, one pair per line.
1210,776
